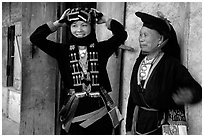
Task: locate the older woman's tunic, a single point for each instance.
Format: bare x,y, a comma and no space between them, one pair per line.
167,76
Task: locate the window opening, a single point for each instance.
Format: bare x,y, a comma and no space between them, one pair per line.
10,57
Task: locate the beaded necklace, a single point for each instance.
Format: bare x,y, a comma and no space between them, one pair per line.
83,62
145,67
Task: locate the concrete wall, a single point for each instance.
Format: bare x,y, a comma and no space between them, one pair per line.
193,62
114,62
186,19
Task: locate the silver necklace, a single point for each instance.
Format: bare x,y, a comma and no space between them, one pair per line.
146,66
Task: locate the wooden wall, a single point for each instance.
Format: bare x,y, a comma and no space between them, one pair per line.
39,72
11,93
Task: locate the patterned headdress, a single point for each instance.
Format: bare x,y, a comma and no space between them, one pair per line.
89,15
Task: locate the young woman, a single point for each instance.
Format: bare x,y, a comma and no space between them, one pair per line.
159,81
82,63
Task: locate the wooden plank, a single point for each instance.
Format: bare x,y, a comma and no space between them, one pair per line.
4,54
38,74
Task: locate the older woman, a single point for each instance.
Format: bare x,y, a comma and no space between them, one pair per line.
82,63
159,82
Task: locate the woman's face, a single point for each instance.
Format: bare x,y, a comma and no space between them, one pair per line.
80,29
149,39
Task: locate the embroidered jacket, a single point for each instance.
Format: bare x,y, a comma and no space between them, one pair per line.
67,55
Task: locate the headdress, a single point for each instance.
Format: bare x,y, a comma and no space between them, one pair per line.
160,24
163,26
89,15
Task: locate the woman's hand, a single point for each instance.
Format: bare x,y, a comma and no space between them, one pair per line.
59,23
102,20
63,19
106,20
183,96
98,16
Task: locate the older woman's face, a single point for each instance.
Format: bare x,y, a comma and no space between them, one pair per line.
80,29
149,39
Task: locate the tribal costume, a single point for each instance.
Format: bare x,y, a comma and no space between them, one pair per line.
154,81
83,72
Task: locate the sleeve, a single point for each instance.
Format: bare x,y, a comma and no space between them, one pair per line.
129,116
184,79
39,39
118,38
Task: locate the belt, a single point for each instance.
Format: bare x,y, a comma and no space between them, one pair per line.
83,94
86,116
149,109
91,117
135,116
147,133
67,112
